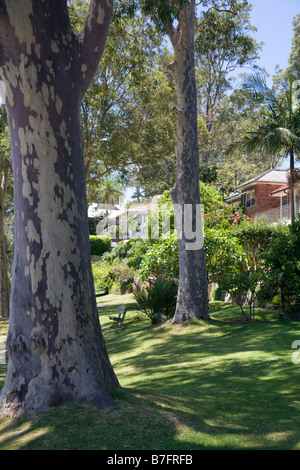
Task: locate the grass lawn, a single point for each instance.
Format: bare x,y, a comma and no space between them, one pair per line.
199,385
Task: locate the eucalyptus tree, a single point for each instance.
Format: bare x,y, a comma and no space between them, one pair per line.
55,345
294,58
125,119
293,68
177,20
224,46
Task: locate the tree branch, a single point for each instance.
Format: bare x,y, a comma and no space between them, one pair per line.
92,39
219,10
108,170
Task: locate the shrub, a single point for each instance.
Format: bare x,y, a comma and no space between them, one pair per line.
136,252
282,266
243,289
99,244
227,217
223,254
120,250
255,238
123,277
161,260
157,299
276,301
102,274
117,278
217,294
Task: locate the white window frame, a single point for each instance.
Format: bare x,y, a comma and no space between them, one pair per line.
284,207
251,200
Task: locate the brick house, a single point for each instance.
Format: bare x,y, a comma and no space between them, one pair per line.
267,195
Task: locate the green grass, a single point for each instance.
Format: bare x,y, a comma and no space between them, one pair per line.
220,384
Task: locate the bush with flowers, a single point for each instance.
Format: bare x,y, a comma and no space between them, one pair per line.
226,217
218,214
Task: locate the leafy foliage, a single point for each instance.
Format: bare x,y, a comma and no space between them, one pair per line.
136,252
99,244
123,278
156,298
126,116
117,277
102,276
161,259
255,237
223,254
282,267
280,126
226,217
242,287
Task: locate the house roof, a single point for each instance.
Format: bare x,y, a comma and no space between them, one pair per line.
270,176
141,207
280,190
273,176
132,209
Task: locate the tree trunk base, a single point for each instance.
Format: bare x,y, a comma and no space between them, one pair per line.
184,314
39,395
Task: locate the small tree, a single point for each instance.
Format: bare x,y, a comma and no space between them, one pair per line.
243,287
223,254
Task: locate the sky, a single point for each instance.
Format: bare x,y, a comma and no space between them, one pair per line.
273,20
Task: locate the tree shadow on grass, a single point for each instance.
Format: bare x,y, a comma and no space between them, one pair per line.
140,421
240,374
195,386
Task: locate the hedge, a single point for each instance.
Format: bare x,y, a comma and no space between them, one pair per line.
99,244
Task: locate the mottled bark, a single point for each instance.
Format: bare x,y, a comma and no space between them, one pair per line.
192,299
4,283
55,344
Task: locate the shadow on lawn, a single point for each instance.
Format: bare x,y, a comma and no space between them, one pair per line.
221,387
142,421
238,375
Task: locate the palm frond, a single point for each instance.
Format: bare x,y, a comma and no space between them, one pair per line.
256,83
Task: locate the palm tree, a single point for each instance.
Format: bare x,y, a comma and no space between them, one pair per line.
280,125
110,191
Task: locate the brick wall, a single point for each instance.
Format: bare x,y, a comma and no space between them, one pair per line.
263,200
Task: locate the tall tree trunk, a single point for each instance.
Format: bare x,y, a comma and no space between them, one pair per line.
4,283
55,344
192,299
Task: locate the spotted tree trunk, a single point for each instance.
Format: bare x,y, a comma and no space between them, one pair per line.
192,299
55,344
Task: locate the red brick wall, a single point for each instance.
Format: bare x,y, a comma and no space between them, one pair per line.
263,200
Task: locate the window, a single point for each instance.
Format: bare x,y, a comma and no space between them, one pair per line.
298,204
284,206
250,199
